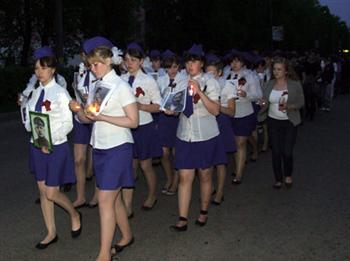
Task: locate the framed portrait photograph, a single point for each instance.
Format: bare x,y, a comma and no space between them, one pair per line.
175,101
99,97
41,132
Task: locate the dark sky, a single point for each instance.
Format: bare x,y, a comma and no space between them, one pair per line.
340,8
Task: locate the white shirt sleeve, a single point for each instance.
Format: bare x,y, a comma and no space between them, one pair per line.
213,89
153,90
65,124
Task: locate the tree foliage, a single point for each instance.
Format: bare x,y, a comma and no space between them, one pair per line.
174,24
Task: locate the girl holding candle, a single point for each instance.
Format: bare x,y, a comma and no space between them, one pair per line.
146,146
167,125
197,145
82,132
246,89
214,66
112,146
284,98
55,168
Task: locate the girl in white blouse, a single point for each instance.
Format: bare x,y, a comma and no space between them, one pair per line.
55,168
167,125
246,89
112,148
214,66
146,145
197,145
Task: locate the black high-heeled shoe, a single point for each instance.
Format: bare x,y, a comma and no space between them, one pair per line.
76,233
45,245
201,223
180,228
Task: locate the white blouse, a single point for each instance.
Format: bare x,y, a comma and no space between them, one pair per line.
201,125
146,91
163,83
58,110
274,100
251,87
106,135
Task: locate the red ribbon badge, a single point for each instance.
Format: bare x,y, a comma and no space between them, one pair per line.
196,98
139,91
47,104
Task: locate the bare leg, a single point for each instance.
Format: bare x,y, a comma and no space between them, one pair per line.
240,155
186,177
94,199
89,168
128,193
253,141
54,194
79,163
167,166
205,179
151,179
122,221
106,203
47,209
127,196
221,176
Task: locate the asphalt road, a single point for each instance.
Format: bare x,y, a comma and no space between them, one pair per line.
309,222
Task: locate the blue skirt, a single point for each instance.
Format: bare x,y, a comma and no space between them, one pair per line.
167,127
56,168
146,143
244,126
199,155
81,132
113,167
227,137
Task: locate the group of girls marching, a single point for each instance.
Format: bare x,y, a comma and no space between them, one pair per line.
218,118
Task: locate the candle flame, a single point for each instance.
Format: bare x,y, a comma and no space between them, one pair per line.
93,108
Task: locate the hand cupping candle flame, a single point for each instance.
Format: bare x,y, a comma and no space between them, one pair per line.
93,108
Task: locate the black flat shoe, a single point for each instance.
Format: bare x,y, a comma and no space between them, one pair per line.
76,233
179,228
216,203
236,181
119,248
45,245
37,201
131,215
83,205
202,223
148,208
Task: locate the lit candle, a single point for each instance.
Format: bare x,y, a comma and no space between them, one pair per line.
93,108
191,90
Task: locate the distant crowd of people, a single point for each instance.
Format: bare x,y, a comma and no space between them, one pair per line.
232,104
